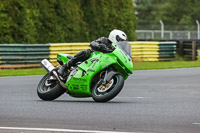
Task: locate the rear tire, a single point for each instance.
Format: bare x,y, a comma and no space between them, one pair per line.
109,93
51,92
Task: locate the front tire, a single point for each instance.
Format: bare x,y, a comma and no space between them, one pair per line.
108,92
49,91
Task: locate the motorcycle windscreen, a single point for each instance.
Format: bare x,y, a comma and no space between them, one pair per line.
125,47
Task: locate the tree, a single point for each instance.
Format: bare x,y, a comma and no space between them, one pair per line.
176,12
44,21
6,23
147,11
106,15
172,12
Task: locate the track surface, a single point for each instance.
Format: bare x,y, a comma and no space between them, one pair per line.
156,101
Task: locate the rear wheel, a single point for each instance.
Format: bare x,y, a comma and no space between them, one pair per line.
49,88
104,93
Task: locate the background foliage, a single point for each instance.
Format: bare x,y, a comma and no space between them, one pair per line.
172,12
44,21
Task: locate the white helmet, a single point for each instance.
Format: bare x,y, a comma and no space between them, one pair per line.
116,36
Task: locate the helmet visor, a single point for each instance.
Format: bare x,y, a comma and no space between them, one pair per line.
119,39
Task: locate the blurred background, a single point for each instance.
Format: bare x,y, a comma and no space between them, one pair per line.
177,19
45,21
36,21
31,30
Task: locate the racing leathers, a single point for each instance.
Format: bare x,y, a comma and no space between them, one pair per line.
102,44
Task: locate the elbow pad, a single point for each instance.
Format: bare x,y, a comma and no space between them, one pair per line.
94,45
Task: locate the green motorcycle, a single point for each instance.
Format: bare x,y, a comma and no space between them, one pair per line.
100,77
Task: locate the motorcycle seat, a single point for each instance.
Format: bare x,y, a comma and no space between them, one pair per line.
70,56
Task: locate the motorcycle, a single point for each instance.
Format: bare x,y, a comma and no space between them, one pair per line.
100,77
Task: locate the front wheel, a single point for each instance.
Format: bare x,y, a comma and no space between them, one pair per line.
104,93
49,88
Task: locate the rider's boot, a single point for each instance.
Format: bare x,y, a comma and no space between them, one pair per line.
64,68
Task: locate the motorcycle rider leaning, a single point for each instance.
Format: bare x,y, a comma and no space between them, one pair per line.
102,44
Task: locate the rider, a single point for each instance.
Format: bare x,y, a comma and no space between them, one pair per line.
102,44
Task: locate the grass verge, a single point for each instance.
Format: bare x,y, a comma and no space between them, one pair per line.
165,65
137,66
22,72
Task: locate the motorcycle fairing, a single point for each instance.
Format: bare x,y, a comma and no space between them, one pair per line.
79,85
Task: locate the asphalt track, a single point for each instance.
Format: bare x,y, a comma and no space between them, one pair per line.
152,101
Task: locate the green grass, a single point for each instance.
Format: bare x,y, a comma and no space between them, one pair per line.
137,66
22,72
165,65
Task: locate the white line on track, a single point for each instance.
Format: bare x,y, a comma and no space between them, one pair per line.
59,130
142,97
133,97
196,123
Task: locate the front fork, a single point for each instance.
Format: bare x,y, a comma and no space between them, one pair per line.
109,73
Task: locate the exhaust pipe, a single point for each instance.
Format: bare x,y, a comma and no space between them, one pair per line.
59,80
51,69
47,65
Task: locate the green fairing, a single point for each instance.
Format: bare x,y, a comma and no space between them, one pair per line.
79,85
